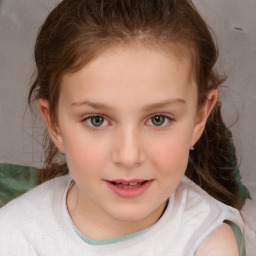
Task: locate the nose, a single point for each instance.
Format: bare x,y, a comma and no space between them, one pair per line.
128,149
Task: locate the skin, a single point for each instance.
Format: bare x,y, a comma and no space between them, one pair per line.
220,242
126,86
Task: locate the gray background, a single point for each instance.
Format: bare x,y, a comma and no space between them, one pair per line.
234,23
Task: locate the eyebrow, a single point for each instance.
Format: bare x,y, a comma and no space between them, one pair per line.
164,104
94,105
149,107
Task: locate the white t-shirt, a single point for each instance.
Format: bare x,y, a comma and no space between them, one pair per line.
38,223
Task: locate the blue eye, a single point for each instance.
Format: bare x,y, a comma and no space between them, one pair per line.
96,121
159,120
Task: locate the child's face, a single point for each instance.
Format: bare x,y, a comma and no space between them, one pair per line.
130,116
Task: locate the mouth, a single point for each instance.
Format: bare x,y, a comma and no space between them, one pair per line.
124,184
129,189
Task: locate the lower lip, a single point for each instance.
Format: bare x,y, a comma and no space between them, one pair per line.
129,192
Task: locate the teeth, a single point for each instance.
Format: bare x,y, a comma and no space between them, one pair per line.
133,183
129,185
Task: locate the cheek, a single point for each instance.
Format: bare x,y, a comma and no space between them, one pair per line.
85,155
170,155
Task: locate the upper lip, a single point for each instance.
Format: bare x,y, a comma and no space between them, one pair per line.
127,181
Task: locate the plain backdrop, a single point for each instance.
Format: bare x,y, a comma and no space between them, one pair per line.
234,23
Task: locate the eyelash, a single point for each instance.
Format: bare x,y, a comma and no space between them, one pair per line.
88,120
166,118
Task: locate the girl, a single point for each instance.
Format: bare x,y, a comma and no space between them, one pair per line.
129,95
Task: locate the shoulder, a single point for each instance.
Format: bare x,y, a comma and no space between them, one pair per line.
40,209
33,203
198,201
206,216
219,242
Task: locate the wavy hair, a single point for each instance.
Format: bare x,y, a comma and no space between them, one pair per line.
76,31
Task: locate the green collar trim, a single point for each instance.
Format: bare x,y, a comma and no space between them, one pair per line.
110,240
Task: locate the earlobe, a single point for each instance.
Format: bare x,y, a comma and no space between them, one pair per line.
203,114
52,127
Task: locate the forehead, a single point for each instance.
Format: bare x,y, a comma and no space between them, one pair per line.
135,72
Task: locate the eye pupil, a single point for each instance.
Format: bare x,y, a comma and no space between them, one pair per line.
158,120
97,120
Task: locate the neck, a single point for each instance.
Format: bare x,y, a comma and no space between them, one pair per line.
95,223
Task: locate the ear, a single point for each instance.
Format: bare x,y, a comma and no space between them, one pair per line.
203,114
52,127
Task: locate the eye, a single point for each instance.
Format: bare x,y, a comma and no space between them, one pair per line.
159,120
96,121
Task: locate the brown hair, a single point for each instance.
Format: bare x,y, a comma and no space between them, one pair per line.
76,31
